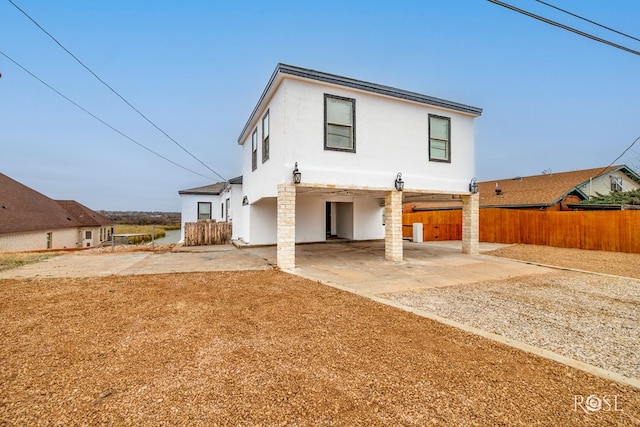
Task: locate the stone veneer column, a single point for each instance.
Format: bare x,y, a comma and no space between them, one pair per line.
286,233
470,224
393,226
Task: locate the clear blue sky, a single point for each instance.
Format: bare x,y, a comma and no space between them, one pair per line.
551,99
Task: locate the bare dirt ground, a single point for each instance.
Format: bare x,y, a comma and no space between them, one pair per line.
266,348
617,263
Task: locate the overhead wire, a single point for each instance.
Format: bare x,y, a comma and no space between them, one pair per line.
564,27
115,92
98,118
617,158
588,20
592,37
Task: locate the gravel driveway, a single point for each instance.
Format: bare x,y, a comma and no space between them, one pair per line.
587,317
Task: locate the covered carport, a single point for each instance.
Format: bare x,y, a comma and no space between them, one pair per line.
391,198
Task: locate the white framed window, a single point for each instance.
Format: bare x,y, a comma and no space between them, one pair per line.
254,150
88,235
265,137
439,138
204,210
616,183
339,123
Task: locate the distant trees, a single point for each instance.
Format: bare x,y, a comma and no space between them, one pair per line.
143,218
615,198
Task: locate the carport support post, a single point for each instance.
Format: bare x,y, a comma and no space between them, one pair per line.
286,233
470,224
393,225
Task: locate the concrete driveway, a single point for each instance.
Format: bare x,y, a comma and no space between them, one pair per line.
359,265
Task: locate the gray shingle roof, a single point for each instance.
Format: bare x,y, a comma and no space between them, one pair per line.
211,189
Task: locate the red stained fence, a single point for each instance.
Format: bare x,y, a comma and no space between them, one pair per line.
616,231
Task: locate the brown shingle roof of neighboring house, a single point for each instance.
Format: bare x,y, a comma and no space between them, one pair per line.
23,209
532,191
84,215
539,190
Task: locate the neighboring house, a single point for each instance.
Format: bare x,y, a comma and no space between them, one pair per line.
549,191
212,201
32,221
348,140
556,191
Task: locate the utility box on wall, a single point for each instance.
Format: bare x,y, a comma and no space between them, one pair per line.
417,232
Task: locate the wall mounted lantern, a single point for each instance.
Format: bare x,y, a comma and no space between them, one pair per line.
473,186
399,182
297,175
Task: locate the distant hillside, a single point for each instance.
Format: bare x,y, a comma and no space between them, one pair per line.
143,218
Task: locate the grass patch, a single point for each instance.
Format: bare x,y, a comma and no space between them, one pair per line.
158,230
17,259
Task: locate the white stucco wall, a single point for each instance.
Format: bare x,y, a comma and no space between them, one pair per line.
234,193
263,219
391,137
310,219
344,220
190,208
367,213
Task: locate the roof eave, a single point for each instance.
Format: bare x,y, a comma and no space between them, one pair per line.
353,84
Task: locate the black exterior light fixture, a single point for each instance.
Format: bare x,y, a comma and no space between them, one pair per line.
297,175
473,186
399,182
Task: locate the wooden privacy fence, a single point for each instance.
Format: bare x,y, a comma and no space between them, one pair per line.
206,232
616,231
436,225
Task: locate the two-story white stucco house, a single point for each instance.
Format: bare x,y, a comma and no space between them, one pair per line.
358,149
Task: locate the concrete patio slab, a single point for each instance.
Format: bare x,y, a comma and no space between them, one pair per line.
361,265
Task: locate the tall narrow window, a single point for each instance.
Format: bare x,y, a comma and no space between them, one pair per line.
265,137
339,123
49,240
616,183
254,150
204,210
439,138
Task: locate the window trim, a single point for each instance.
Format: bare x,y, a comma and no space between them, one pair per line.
448,144
265,140
254,149
353,124
204,203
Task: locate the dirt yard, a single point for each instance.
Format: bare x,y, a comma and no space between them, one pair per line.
617,263
266,348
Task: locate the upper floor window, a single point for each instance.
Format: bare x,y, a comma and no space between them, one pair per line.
254,150
616,183
204,210
265,137
339,123
439,138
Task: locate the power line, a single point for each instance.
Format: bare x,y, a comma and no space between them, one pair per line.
588,20
617,158
115,92
98,118
564,27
